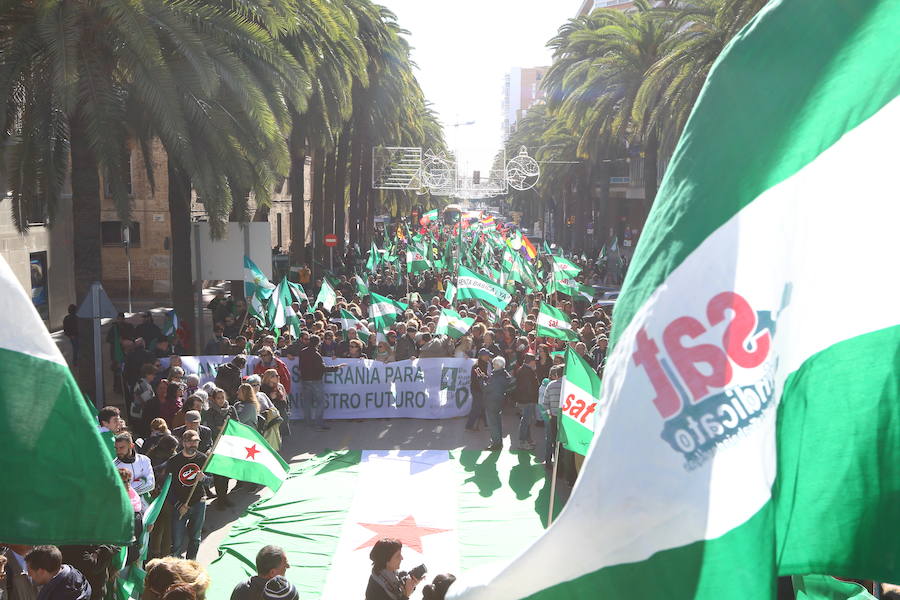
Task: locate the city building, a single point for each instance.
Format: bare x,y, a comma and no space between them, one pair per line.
42,258
521,90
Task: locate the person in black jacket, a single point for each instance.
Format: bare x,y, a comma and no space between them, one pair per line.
228,376
192,422
186,494
387,582
57,581
312,397
271,562
526,396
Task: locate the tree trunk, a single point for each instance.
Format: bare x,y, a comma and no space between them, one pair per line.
86,246
355,173
330,194
183,299
651,159
318,207
365,196
602,224
297,182
340,206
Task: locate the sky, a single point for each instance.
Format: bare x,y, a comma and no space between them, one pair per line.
463,48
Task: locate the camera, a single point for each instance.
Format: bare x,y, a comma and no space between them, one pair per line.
417,572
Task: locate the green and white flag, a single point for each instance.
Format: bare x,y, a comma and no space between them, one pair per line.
59,485
578,404
519,316
361,288
741,421
347,322
450,323
470,285
564,266
255,282
416,260
450,293
375,258
242,453
327,297
573,288
280,311
458,509
552,322
297,291
383,311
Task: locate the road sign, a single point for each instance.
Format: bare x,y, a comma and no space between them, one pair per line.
330,240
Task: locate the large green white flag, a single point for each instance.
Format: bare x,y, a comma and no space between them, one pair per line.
450,293
243,454
327,297
450,323
552,322
578,404
746,432
470,285
383,311
59,484
458,509
361,288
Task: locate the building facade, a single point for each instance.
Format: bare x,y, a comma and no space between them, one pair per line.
521,90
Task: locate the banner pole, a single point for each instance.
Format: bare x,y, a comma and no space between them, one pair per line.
206,462
553,477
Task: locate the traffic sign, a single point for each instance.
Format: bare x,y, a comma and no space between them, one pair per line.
330,240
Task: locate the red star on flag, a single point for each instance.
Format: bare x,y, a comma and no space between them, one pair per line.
252,451
407,531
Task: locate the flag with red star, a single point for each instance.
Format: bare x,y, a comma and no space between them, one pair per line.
243,454
451,510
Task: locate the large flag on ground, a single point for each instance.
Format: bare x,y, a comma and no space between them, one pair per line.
255,282
552,322
383,311
470,285
740,418
578,406
59,484
450,323
243,454
458,509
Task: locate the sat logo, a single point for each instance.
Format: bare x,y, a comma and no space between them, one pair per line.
708,392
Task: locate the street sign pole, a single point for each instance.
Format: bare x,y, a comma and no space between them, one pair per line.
198,276
331,258
96,306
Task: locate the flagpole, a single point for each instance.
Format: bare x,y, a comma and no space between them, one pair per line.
208,456
553,475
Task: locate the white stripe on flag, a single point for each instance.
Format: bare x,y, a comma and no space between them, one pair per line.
30,335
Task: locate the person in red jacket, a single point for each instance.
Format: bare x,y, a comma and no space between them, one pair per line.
268,360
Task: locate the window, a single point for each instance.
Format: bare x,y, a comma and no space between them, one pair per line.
127,165
111,233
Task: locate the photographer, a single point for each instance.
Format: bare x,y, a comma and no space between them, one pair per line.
387,582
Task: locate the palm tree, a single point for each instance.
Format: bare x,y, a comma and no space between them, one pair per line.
701,29
79,79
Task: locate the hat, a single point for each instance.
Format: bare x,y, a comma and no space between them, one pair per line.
192,416
528,356
279,588
485,351
254,380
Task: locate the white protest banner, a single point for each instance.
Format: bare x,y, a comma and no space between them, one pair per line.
425,388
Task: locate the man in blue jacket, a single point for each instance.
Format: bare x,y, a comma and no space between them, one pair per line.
58,581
